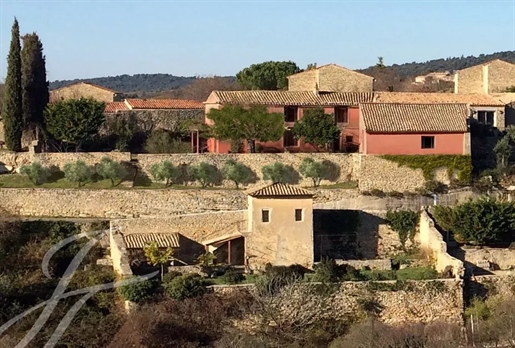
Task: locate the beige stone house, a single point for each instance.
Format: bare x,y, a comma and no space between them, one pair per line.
330,78
85,90
491,77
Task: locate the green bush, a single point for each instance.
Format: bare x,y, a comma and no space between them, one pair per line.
109,169
185,286
276,172
434,186
404,222
168,277
233,277
139,292
78,172
483,221
164,142
37,173
315,170
205,173
165,171
417,273
236,172
326,271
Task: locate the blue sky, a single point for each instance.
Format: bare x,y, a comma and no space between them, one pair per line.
85,39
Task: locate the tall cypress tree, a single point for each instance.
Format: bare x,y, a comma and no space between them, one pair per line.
33,81
12,106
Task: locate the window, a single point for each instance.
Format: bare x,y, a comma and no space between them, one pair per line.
428,142
341,115
289,139
265,215
486,117
290,114
349,139
298,214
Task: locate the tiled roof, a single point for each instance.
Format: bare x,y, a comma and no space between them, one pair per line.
436,98
280,190
332,65
414,118
164,104
87,83
140,240
115,106
289,98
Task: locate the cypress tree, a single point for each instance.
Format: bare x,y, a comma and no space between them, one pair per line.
33,81
12,106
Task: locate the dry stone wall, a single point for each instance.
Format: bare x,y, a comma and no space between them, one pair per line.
416,301
502,258
57,160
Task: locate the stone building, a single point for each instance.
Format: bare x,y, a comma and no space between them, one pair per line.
414,129
85,90
491,77
330,78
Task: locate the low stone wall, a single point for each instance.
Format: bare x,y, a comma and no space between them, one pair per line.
119,256
431,240
415,301
492,285
58,159
383,265
501,258
340,166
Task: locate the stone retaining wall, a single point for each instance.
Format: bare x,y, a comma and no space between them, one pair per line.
502,258
416,301
492,285
383,265
431,239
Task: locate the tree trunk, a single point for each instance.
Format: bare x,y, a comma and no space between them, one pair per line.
252,145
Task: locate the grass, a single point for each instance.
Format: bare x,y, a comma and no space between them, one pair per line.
341,185
55,181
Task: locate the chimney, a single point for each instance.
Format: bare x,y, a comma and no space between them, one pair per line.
315,90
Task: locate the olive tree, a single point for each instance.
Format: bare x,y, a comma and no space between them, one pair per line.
78,172
236,172
36,172
109,169
315,170
165,171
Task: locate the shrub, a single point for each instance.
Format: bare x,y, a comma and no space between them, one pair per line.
435,187
377,193
205,173
168,277
315,170
78,172
482,221
165,171
109,169
326,271
417,273
233,277
164,142
404,222
276,172
138,292
236,172
185,286
37,173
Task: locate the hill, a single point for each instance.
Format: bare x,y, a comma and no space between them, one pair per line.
149,83
447,64
153,84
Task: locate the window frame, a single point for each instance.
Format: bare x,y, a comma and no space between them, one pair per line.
293,110
301,211
344,114
427,137
295,141
268,215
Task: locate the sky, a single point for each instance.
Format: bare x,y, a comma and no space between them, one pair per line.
96,38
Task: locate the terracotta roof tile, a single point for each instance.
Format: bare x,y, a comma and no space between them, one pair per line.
280,190
163,240
299,98
165,104
414,118
436,98
115,106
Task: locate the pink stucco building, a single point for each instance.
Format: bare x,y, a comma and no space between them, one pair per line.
414,129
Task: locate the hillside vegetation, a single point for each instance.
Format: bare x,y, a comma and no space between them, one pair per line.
154,84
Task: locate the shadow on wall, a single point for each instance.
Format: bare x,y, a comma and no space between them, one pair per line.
189,250
345,234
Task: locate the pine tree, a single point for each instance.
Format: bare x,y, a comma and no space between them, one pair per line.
12,106
34,83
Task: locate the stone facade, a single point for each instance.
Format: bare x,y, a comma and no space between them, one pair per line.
340,166
167,119
417,301
500,258
330,78
492,285
431,240
118,250
56,160
492,77
85,90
